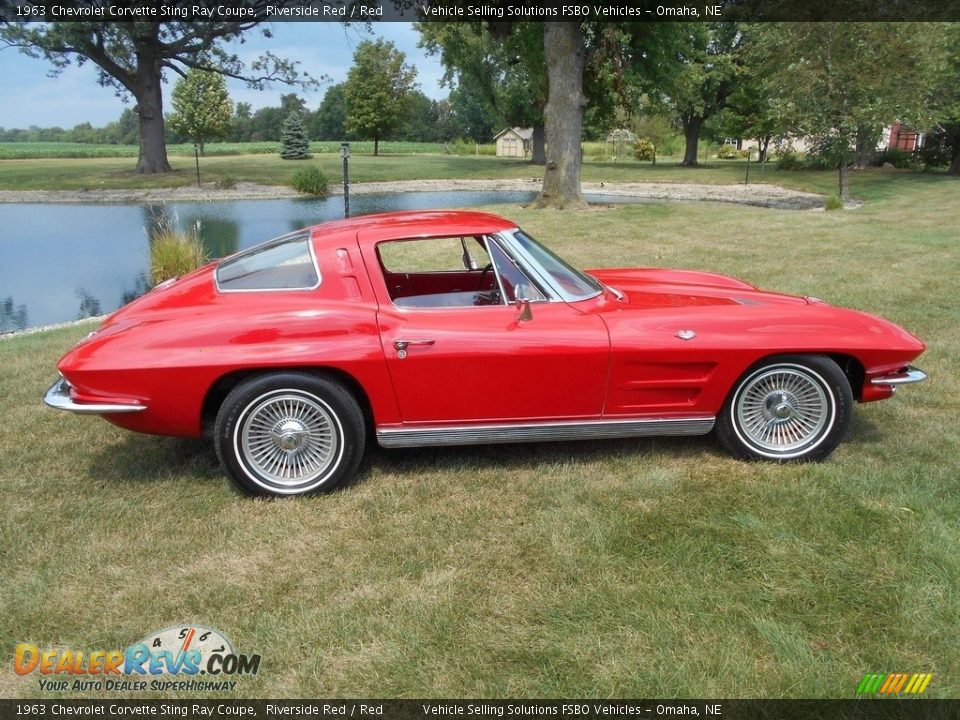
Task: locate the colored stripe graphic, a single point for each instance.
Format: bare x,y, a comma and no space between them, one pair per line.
894,683
870,683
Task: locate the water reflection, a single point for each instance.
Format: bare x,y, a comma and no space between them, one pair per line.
89,305
220,236
12,316
48,251
141,286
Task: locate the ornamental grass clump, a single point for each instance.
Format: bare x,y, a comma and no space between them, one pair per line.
833,202
310,181
175,252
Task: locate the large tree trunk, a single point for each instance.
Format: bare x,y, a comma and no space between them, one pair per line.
539,156
866,146
844,182
376,145
955,164
564,52
691,134
153,145
762,145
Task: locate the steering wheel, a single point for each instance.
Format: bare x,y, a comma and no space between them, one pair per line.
483,274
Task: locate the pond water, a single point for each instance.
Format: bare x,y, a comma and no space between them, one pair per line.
62,262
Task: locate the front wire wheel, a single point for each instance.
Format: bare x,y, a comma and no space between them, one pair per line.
787,408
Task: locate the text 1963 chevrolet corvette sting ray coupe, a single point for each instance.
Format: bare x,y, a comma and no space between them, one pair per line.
453,327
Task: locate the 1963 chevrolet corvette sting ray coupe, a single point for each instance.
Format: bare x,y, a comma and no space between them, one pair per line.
453,328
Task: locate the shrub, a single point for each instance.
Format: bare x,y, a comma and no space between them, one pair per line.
227,182
938,146
900,159
311,181
834,202
727,152
174,252
643,149
815,161
789,160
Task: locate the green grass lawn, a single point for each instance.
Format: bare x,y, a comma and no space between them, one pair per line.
650,568
91,173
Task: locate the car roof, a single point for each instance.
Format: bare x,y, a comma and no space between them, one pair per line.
416,223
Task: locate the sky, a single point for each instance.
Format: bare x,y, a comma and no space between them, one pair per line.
29,97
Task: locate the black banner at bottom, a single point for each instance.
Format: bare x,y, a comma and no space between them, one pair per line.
913,709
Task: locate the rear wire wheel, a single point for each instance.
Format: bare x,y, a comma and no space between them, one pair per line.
289,434
787,408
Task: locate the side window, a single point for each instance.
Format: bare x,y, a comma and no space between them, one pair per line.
439,272
282,264
451,254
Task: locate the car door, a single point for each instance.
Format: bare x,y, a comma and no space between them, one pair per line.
483,362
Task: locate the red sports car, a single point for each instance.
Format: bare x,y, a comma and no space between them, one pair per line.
454,328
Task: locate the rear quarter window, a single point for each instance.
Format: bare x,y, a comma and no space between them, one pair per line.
286,263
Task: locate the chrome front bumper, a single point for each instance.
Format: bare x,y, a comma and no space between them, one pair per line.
908,375
58,397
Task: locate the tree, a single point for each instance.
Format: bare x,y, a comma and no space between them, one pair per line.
377,90
124,130
507,72
565,54
420,124
751,110
329,121
294,144
942,144
132,57
472,116
626,58
202,107
266,123
241,125
705,80
838,79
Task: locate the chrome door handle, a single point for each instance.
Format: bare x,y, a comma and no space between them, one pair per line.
402,345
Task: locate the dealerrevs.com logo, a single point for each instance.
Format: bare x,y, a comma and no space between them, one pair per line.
173,659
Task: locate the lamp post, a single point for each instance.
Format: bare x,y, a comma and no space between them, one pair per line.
196,156
345,154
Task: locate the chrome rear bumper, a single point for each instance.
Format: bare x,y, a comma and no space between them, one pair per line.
908,375
58,397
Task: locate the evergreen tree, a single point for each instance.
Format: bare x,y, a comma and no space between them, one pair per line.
294,144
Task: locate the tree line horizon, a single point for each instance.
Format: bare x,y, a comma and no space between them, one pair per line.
837,84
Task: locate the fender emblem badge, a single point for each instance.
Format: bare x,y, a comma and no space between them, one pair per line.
686,334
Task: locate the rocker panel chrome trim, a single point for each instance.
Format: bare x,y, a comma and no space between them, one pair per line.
541,432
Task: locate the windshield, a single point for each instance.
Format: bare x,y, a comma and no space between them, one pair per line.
573,284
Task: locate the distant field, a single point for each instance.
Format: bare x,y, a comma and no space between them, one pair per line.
25,150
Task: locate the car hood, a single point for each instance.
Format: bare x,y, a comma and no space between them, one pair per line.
658,288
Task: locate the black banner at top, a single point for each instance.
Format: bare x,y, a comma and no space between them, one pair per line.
477,10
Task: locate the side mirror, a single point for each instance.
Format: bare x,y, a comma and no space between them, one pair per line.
523,310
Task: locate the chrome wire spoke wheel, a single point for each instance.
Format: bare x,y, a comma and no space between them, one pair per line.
289,439
784,411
